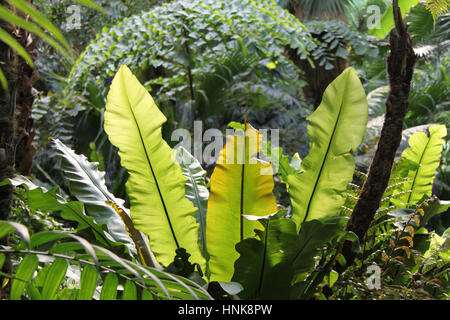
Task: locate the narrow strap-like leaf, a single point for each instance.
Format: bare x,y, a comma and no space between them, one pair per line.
129,291
10,41
40,19
23,275
88,282
31,27
53,278
3,80
8,226
109,287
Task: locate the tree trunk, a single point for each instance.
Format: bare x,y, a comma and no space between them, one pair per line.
400,66
16,150
318,78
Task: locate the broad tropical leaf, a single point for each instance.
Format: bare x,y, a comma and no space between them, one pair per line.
156,186
420,161
87,184
313,235
240,185
335,129
264,267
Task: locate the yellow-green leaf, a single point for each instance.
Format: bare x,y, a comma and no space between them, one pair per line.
238,187
156,186
335,129
421,159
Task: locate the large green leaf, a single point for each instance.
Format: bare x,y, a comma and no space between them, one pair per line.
387,20
87,184
264,267
240,185
196,190
335,129
156,186
420,162
315,234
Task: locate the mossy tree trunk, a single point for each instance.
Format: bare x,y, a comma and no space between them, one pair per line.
400,67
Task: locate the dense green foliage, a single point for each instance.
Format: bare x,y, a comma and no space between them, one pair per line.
114,211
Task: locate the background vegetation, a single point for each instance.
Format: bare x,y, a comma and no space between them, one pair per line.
68,233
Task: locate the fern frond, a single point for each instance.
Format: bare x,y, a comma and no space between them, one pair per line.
437,7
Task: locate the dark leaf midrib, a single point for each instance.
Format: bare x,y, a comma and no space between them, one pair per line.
154,176
323,164
418,168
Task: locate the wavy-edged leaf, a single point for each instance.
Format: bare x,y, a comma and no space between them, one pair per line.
39,198
23,275
420,161
264,267
88,185
240,185
196,190
335,129
156,186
